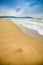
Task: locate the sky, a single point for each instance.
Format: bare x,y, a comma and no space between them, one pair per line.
21,8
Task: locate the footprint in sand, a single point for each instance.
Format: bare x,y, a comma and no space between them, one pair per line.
18,50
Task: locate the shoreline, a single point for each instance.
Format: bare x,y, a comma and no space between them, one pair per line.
32,33
28,31
37,26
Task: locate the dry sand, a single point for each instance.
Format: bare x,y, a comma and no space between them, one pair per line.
17,48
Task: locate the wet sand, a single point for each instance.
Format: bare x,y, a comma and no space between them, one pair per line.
17,48
32,33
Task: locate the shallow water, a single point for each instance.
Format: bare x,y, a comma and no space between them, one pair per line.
32,33
30,27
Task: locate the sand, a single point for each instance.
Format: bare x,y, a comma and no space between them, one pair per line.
17,48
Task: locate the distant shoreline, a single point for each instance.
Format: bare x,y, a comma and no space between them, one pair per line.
14,17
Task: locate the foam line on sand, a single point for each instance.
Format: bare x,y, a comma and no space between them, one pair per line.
30,24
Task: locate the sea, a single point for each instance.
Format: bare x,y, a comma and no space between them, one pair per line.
30,26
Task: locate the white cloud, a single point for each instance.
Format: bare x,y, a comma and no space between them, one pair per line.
25,10
4,11
35,11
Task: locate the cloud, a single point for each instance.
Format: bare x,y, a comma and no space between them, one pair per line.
4,11
23,8
18,9
35,11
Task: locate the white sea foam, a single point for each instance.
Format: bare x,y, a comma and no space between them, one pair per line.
34,25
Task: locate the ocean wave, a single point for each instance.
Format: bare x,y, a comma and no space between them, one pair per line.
34,25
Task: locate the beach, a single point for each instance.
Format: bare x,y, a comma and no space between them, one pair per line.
18,48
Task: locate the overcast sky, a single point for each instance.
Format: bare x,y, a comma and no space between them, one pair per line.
23,8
